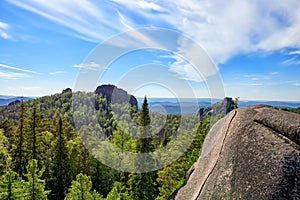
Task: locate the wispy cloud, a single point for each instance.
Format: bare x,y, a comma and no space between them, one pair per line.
17,69
13,75
224,29
57,72
294,53
89,21
33,88
251,84
3,30
291,61
261,77
297,84
89,66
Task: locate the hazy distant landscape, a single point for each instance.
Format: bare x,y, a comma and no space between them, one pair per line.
176,106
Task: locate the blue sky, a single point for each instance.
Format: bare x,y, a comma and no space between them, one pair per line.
254,44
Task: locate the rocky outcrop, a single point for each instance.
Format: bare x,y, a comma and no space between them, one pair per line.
220,108
252,153
116,95
67,90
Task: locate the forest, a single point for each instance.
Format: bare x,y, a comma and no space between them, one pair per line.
43,156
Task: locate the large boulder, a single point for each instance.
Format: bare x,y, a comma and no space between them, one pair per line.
252,153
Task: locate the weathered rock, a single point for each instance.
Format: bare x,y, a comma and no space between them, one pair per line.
252,153
67,90
220,108
116,95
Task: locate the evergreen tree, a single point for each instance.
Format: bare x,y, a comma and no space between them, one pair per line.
37,128
144,185
35,186
18,149
4,154
60,165
81,189
11,186
118,192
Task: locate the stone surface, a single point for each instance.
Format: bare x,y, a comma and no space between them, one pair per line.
220,108
252,153
116,95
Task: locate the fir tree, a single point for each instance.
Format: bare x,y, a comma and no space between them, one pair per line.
81,189
18,151
144,185
11,186
60,165
35,186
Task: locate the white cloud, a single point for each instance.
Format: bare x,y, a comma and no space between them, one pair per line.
230,27
251,84
17,69
33,88
274,73
185,70
3,31
12,75
149,5
294,53
296,84
89,21
223,28
291,61
56,72
89,66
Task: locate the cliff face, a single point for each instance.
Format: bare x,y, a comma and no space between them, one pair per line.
222,107
252,153
116,95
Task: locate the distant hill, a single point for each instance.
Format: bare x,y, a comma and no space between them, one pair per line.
5,100
188,106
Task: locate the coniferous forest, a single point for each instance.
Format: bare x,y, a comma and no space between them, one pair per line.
43,156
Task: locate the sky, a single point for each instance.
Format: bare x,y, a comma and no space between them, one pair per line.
253,47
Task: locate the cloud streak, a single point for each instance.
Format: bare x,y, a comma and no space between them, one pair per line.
17,69
3,30
13,75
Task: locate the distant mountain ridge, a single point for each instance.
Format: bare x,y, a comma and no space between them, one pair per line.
187,105
5,100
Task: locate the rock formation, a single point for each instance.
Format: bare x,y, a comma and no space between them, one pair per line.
222,107
252,153
116,95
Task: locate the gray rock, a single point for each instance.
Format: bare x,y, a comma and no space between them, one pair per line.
252,153
220,108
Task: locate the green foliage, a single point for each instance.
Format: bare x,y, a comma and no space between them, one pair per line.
60,165
144,185
35,186
31,130
4,154
11,186
118,192
81,189
236,102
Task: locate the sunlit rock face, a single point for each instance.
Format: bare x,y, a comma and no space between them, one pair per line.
252,153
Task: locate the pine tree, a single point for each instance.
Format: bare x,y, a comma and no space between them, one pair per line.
60,165
144,185
11,186
35,186
4,154
18,149
81,189
118,192
37,128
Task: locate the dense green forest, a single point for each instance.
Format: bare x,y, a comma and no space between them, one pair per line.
42,155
